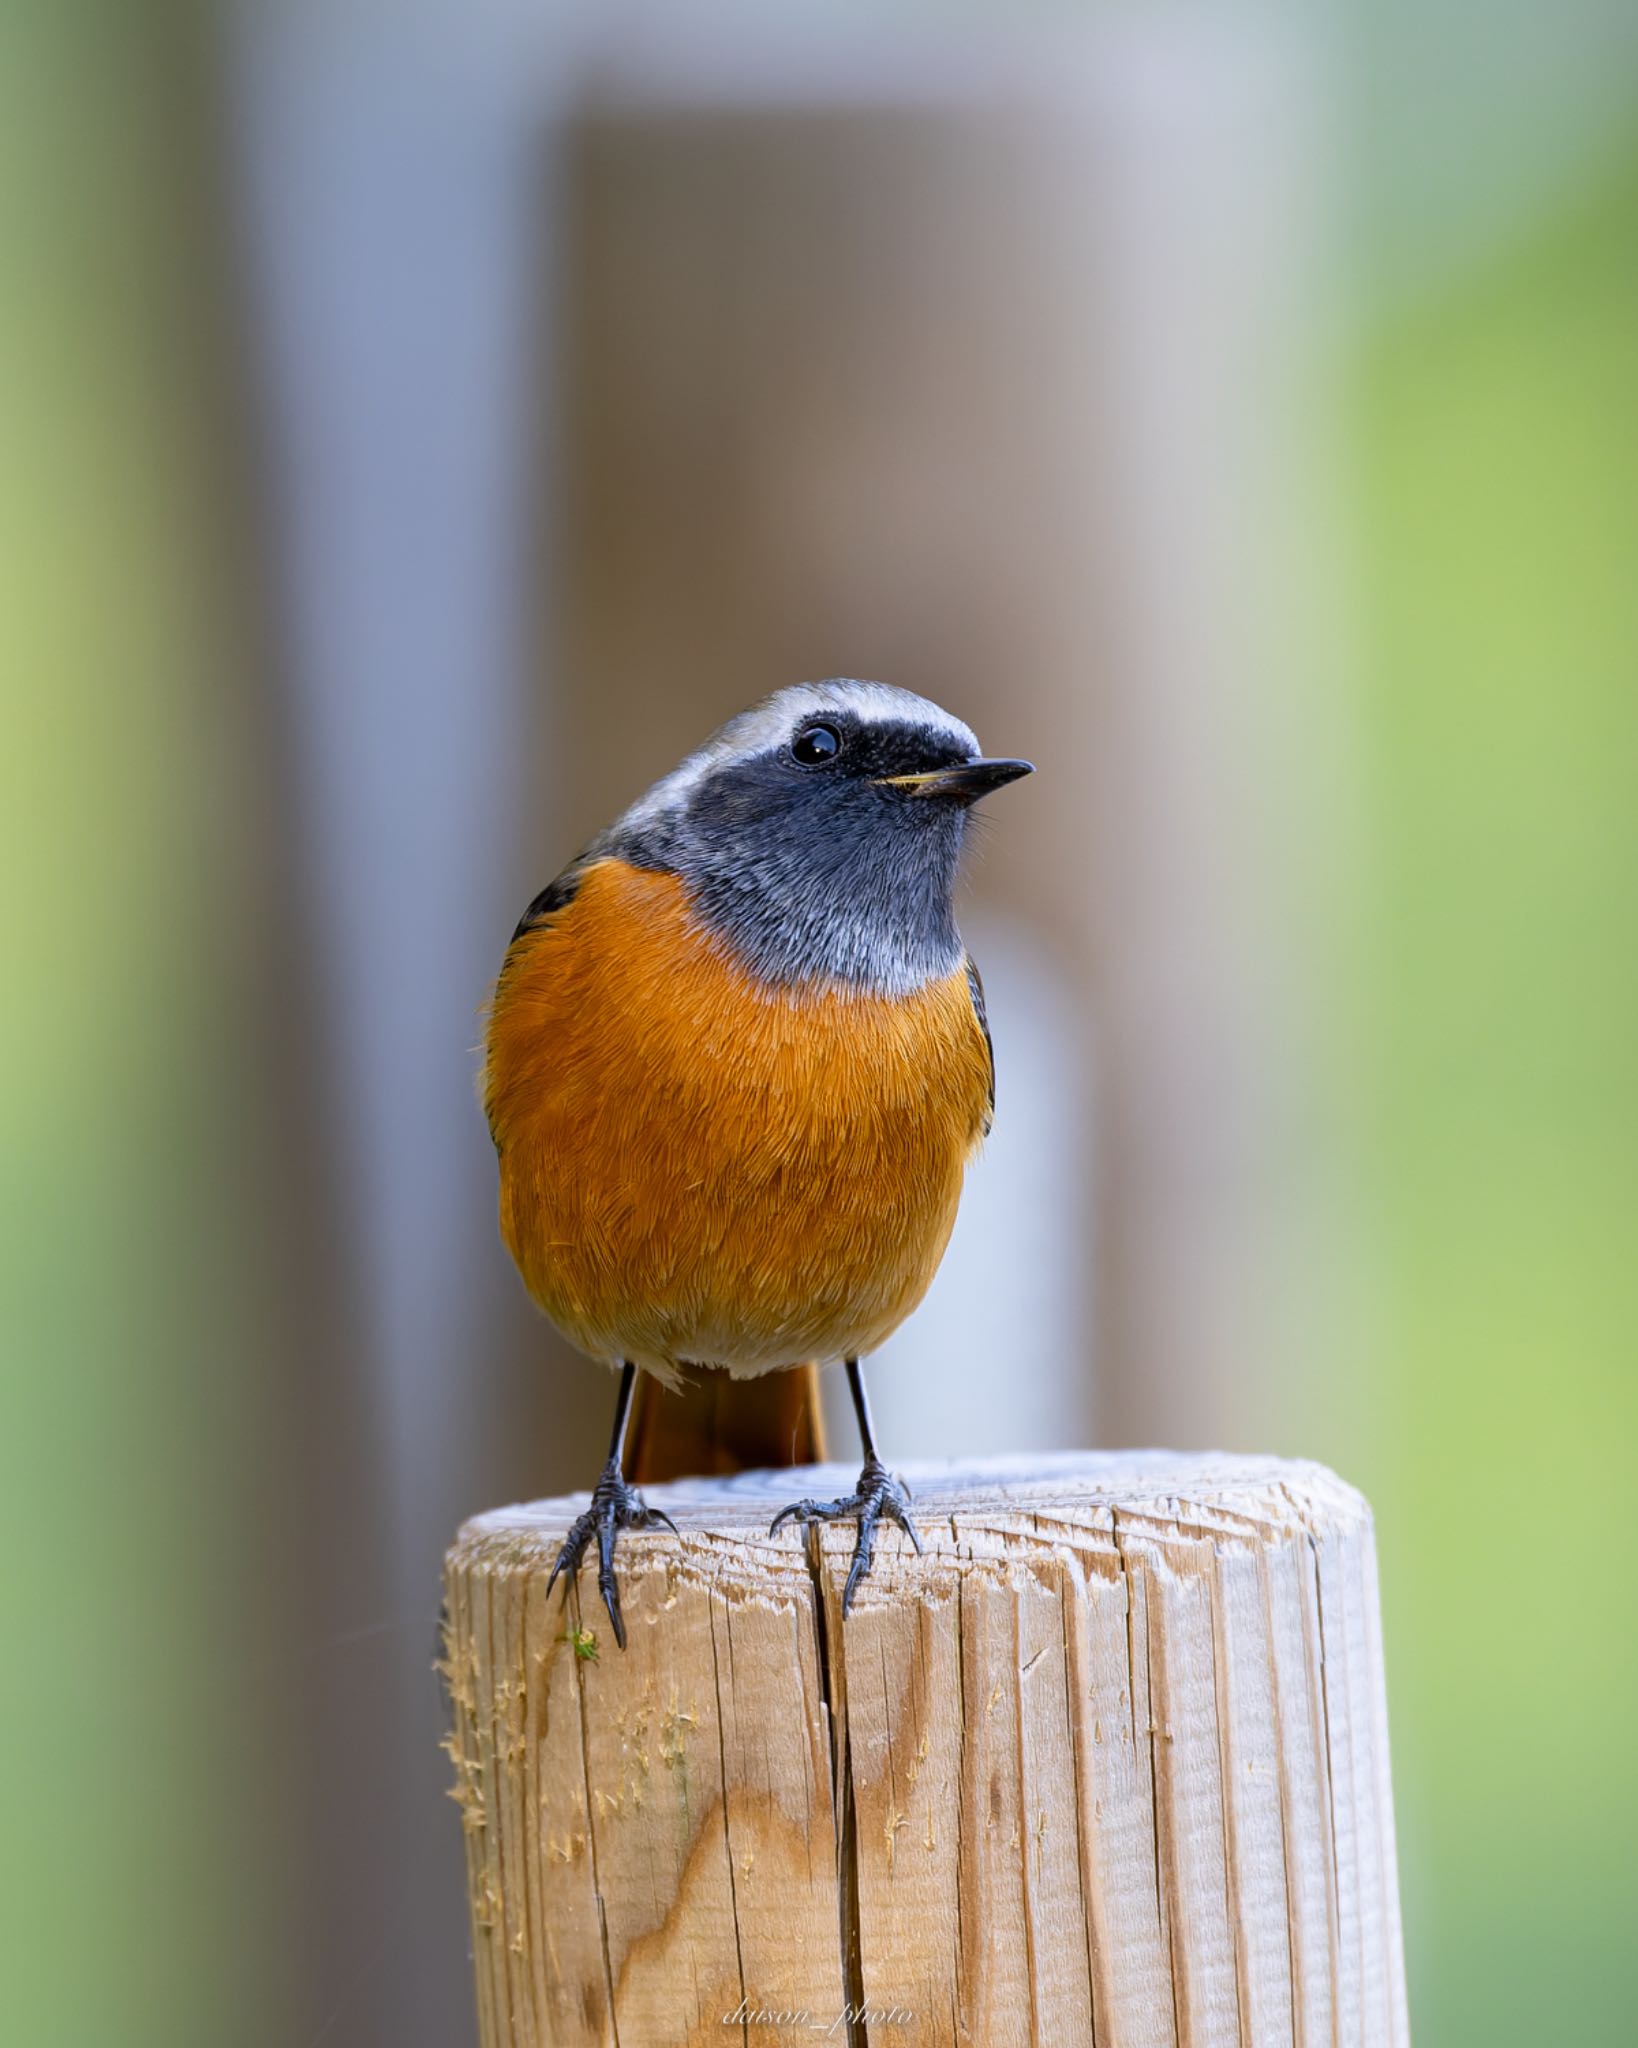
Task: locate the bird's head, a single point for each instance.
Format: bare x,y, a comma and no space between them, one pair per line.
819,833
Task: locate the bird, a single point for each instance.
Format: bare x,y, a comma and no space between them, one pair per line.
736,1063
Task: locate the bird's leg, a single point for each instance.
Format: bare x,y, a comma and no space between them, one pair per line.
879,1492
614,1506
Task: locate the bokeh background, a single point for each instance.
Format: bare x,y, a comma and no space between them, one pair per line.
419,423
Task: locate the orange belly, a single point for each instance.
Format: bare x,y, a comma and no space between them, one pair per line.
697,1169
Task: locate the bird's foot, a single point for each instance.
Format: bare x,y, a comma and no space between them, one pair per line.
879,1493
615,1505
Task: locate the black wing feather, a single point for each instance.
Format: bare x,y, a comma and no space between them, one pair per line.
558,894
976,986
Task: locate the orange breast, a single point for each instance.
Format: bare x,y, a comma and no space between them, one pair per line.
696,1169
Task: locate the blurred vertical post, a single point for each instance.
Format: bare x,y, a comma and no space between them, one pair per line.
394,235
962,366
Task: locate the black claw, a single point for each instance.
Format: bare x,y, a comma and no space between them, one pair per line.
614,1506
879,1493
807,1511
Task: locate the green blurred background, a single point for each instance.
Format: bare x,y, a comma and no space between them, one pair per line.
218,1820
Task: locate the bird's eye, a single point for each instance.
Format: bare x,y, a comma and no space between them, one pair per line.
814,745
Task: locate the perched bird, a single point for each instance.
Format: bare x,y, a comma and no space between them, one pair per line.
736,1063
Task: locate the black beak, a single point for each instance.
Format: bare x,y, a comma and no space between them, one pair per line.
966,782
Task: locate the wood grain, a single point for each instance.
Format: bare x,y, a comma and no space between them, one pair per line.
1107,1765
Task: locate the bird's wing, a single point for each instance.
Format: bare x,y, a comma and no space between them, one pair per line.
976,985
558,894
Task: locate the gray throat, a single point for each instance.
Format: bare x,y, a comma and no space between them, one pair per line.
858,897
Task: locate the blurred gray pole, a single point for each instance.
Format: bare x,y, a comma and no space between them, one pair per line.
394,216
393,221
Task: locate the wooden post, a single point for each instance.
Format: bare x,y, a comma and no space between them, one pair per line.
1107,1765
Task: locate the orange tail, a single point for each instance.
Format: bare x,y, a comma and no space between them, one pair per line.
718,1425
